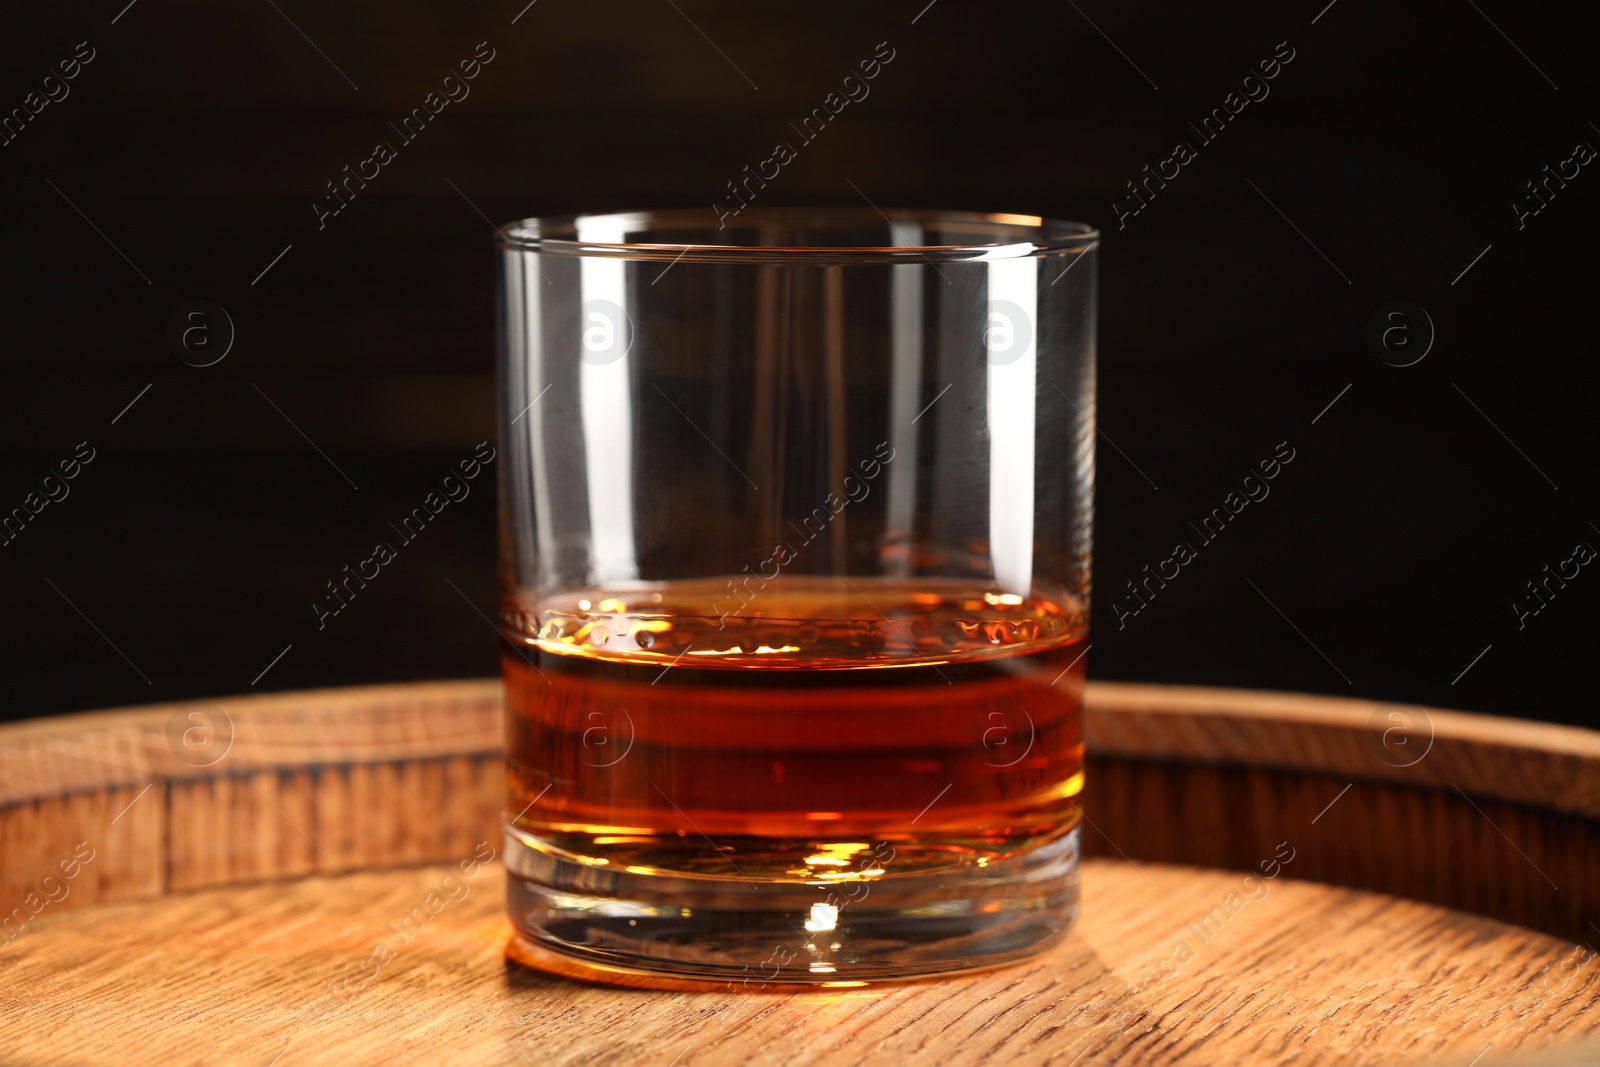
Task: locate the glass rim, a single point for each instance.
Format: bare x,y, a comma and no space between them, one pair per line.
1016,236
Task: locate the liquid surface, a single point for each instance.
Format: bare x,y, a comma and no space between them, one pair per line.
654,730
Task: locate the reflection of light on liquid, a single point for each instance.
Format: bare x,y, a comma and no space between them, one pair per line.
833,856
737,651
823,968
1071,787
1010,599
823,917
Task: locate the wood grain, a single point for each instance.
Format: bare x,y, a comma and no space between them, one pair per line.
283,851
1493,816
1307,974
318,781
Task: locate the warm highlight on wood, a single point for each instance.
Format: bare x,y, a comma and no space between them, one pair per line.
158,909
242,975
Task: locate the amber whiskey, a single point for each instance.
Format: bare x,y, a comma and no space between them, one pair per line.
835,763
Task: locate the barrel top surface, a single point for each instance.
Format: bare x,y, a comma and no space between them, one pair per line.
282,900
1169,965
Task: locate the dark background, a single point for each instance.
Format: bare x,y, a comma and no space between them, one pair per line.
188,554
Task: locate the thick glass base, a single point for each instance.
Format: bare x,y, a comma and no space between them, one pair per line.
677,931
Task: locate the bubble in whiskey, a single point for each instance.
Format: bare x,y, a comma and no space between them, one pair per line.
801,624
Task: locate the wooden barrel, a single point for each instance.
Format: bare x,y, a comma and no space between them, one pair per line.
1276,878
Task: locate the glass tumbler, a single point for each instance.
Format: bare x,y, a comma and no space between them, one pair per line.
794,539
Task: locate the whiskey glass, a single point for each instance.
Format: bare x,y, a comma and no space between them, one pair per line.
795,539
